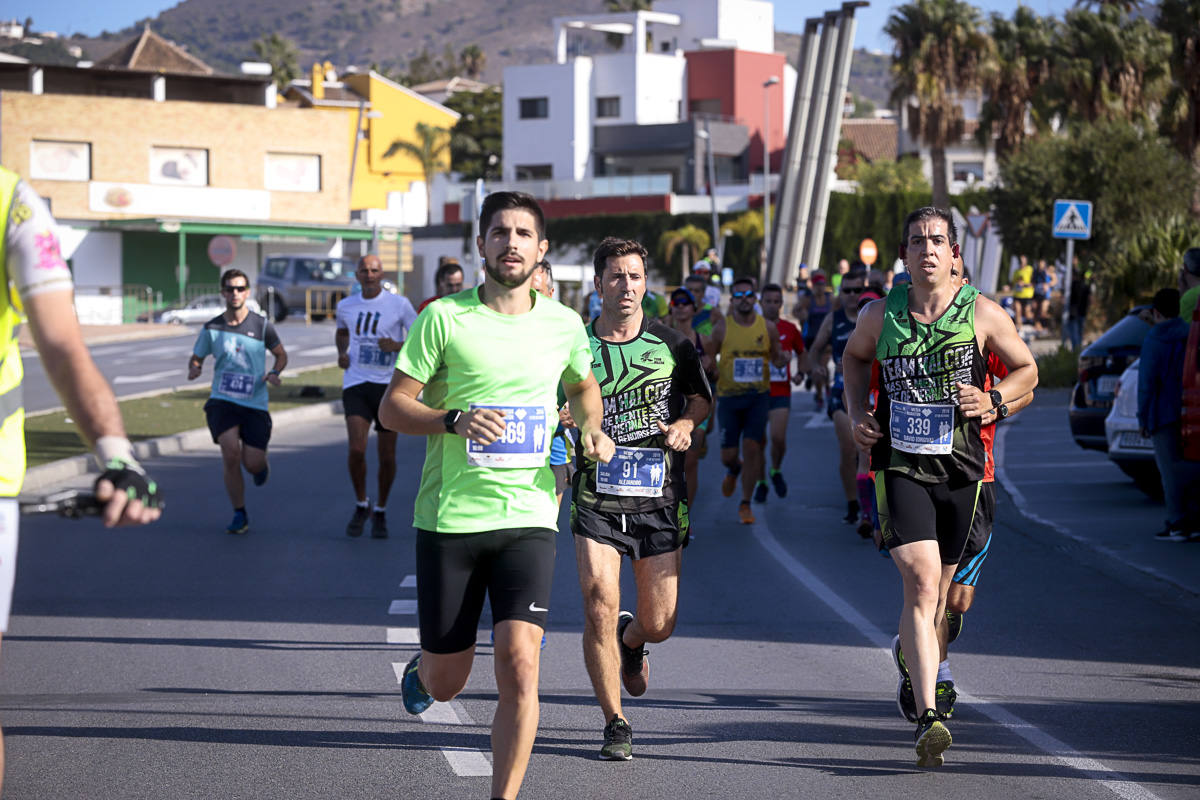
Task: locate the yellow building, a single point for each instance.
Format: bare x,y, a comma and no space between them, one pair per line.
380,112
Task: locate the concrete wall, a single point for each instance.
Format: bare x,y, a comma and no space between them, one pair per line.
744,24
563,138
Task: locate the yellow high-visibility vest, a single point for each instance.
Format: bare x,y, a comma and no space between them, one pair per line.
12,410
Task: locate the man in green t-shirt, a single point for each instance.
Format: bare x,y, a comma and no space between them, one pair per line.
485,512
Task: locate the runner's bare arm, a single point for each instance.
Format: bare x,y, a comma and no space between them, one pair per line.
679,432
778,357
999,335
990,417
819,344
281,360
342,340
856,371
588,410
401,411
84,391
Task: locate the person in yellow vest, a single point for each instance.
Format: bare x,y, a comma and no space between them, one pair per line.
1022,279
746,343
37,285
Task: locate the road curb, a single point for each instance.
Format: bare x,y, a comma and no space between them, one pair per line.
46,476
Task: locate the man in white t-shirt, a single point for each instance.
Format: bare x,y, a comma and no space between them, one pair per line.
371,328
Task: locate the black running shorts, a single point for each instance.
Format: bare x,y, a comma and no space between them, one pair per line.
981,536
253,424
910,511
650,533
513,567
362,400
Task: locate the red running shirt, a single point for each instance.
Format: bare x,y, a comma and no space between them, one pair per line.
790,341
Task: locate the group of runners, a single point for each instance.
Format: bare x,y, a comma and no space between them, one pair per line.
920,375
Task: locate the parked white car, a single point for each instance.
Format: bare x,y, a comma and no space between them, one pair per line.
1127,448
199,310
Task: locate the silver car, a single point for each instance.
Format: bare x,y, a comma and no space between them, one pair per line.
199,310
1127,448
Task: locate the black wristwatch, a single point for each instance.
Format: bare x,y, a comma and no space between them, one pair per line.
451,419
1002,411
997,400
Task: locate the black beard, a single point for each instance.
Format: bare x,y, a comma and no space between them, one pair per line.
508,283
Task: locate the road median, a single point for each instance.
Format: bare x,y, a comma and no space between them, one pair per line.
166,423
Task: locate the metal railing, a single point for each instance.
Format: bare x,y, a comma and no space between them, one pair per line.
321,302
115,304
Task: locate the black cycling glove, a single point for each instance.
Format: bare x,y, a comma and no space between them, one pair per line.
130,478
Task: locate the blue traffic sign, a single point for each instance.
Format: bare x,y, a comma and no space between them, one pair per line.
1072,219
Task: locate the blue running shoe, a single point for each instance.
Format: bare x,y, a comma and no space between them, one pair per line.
240,524
415,698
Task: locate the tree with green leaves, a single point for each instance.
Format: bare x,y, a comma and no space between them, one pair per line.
1014,95
1180,115
431,150
477,143
887,177
472,59
688,240
1108,66
941,55
280,52
1135,179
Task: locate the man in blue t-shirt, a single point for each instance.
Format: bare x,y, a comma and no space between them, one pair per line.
238,341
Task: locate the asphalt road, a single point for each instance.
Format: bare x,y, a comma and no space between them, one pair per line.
146,365
177,661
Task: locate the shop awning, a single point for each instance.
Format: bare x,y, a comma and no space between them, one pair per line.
247,230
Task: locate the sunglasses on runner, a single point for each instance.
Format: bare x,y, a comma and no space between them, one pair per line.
736,295
852,290
683,301
237,288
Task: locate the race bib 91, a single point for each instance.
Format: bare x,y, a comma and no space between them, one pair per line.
922,429
525,442
236,384
632,472
747,370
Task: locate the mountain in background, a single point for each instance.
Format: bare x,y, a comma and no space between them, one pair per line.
391,33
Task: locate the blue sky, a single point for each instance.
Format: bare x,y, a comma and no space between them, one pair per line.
73,16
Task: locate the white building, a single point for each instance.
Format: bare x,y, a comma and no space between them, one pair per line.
553,112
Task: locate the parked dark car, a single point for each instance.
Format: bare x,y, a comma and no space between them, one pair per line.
1100,366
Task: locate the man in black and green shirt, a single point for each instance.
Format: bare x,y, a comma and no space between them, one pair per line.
931,338
654,393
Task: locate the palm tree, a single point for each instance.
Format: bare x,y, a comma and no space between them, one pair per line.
1108,66
472,59
1180,117
941,55
688,239
431,150
1014,87
280,53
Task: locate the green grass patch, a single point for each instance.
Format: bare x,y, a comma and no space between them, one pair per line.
49,437
1058,370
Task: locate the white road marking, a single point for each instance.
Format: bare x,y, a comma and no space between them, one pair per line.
819,420
467,762
403,607
147,378
403,636
1059,751
328,350
409,582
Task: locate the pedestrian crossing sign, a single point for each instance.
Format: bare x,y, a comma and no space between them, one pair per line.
1072,219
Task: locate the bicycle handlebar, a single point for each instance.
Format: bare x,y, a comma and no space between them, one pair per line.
70,503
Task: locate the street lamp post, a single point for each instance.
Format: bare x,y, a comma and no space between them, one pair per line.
706,135
767,84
